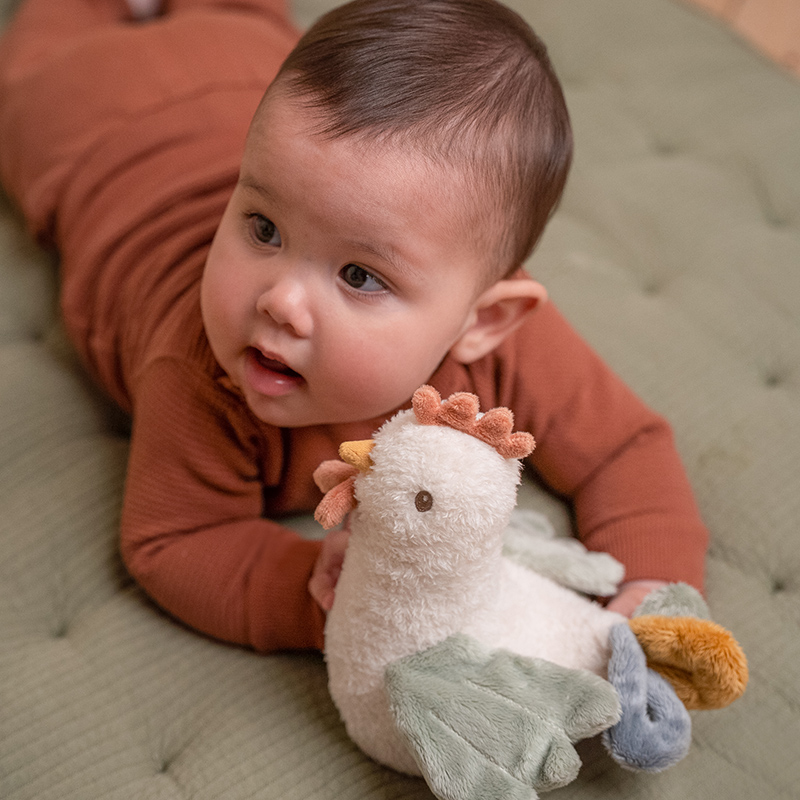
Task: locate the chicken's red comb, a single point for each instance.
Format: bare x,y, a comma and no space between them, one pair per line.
460,411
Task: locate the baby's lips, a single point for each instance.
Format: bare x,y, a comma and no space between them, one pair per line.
275,364
270,377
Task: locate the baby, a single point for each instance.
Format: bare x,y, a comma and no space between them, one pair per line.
259,277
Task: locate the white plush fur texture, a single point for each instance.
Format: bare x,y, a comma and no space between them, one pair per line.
412,578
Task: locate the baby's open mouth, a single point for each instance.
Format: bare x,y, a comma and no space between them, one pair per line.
270,377
274,365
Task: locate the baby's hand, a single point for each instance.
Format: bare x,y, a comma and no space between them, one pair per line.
322,583
631,594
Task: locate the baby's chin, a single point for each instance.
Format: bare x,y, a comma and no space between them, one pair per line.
298,410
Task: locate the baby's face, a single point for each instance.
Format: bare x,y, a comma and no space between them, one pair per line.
339,277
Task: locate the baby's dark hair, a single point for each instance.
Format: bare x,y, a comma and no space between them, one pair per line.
466,82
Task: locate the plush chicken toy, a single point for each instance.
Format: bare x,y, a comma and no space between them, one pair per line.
448,659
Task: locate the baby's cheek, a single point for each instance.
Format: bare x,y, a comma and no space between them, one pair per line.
379,367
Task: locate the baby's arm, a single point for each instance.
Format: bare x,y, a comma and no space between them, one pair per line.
192,531
601,447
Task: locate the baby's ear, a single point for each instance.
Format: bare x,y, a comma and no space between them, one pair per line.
497,313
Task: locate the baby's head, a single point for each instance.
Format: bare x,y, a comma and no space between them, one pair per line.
399,170
463,84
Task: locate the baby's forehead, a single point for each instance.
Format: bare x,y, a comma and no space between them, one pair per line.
445,178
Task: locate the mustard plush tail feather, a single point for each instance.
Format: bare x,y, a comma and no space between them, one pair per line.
703,662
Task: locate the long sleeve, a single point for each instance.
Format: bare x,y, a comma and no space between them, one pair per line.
193,534
599,446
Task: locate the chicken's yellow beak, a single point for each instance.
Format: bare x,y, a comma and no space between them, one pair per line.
357,453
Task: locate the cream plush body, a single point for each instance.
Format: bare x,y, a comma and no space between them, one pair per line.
415,575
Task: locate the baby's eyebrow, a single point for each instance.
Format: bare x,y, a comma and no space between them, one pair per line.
387,254
246,182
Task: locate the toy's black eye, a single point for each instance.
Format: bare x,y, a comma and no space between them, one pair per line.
423,501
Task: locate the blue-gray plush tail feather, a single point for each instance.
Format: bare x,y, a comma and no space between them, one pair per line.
655,729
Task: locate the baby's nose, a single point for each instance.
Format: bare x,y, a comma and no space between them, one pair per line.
287,303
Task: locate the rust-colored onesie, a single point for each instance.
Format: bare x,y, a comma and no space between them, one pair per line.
121,143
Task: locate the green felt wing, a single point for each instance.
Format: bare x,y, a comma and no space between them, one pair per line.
486,725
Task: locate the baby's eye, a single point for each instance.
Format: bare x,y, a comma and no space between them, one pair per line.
264,231
358,278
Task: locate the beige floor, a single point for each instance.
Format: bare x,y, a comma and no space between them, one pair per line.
773,26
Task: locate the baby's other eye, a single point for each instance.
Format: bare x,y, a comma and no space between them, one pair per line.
358,278
264,231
